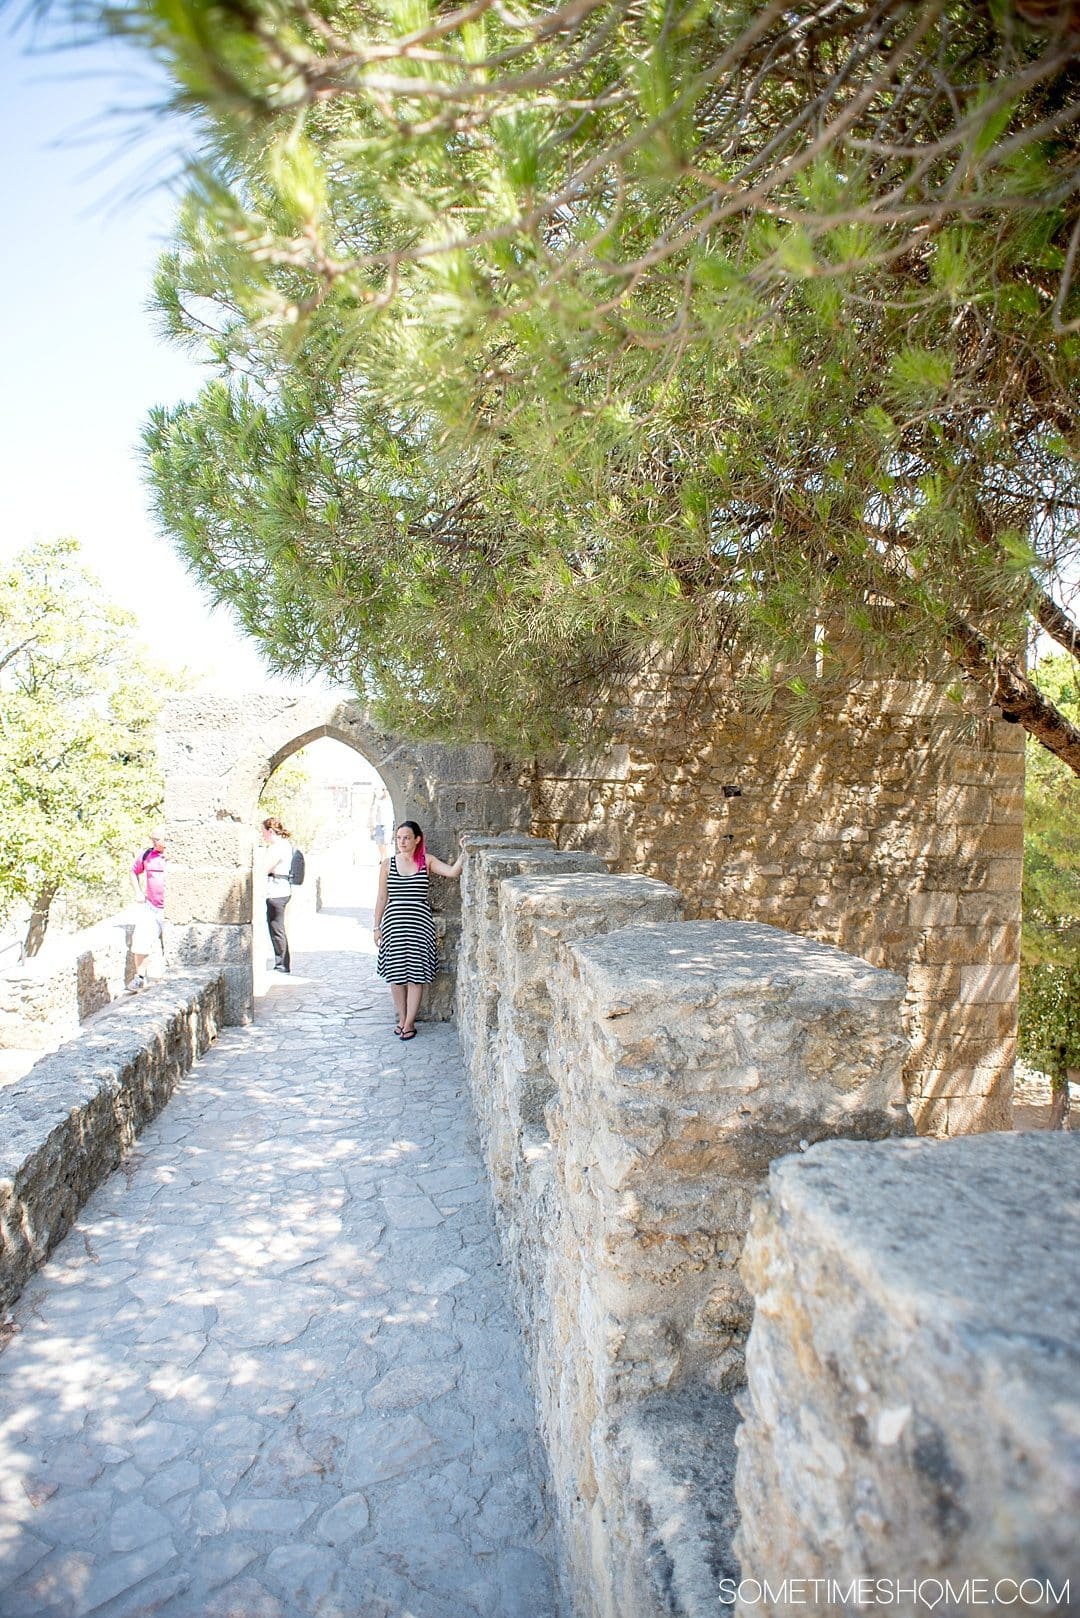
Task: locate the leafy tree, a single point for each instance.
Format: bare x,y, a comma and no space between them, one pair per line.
1050,1027
78,770
1050,968
551,341
288,796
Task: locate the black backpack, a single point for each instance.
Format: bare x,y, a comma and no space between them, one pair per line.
297,869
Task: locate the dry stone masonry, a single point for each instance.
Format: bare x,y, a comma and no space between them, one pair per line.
633,1076
217,754
67,1123
44,1000
913,1371
890,826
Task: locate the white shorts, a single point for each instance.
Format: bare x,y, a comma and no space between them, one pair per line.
149,927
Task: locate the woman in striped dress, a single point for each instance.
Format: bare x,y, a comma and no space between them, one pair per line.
404,925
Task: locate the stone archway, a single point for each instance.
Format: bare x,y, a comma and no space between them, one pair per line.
217,753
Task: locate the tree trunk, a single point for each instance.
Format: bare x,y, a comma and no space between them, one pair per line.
39,918
1020,700
1059,1098
1059,1088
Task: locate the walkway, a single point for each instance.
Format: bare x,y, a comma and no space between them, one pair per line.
273,1371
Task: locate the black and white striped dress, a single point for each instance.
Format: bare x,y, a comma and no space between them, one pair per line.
407,949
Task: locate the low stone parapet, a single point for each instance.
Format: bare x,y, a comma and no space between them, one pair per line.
686,1057
44,999
481,953
913,1412
67,1123
634,1075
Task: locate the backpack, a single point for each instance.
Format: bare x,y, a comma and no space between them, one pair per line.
296,869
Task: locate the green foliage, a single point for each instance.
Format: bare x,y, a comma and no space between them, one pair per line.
1050,1017
79,780
549,343
1050,971
1052,836
287,796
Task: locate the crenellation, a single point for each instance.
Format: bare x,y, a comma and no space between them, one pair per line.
633,1076
871,1357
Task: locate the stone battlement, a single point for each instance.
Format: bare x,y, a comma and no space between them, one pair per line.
634,1076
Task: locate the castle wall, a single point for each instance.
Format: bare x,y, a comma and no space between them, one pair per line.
911,1412
890,826
633,1076
217,753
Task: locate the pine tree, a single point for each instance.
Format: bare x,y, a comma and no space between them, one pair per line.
553,341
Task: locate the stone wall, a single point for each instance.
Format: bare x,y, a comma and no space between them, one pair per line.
633,1077
217,753
43,1000
68,1122
913,1410
891,826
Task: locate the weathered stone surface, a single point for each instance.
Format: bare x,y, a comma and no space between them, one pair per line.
209,897
913,1366
490,860
66,1125
198,948
536,915
217,753
685,1058
47,998
675,1500
633,1076
883,828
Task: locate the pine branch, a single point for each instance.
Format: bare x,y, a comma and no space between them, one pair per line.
1021,702
1057,623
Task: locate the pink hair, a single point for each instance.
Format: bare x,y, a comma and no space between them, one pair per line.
419,854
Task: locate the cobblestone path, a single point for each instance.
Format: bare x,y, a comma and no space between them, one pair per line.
273,1371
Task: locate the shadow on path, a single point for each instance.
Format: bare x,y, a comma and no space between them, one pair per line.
272,1371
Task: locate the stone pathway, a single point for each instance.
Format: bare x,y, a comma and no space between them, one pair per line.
273,1371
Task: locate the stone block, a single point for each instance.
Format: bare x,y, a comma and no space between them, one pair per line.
613,763
999,876
686,1058
202,897
934,986
537,914
206,797
992,984
912,1403
932,910
988,909
226,948
211,843
970,945
458,809
457,766
1009,804
558,801
964,805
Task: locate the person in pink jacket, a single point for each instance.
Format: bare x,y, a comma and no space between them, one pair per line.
148,878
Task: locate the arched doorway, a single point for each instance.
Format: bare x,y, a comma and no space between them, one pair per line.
217,752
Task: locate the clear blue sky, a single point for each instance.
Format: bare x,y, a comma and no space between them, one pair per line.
81,363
